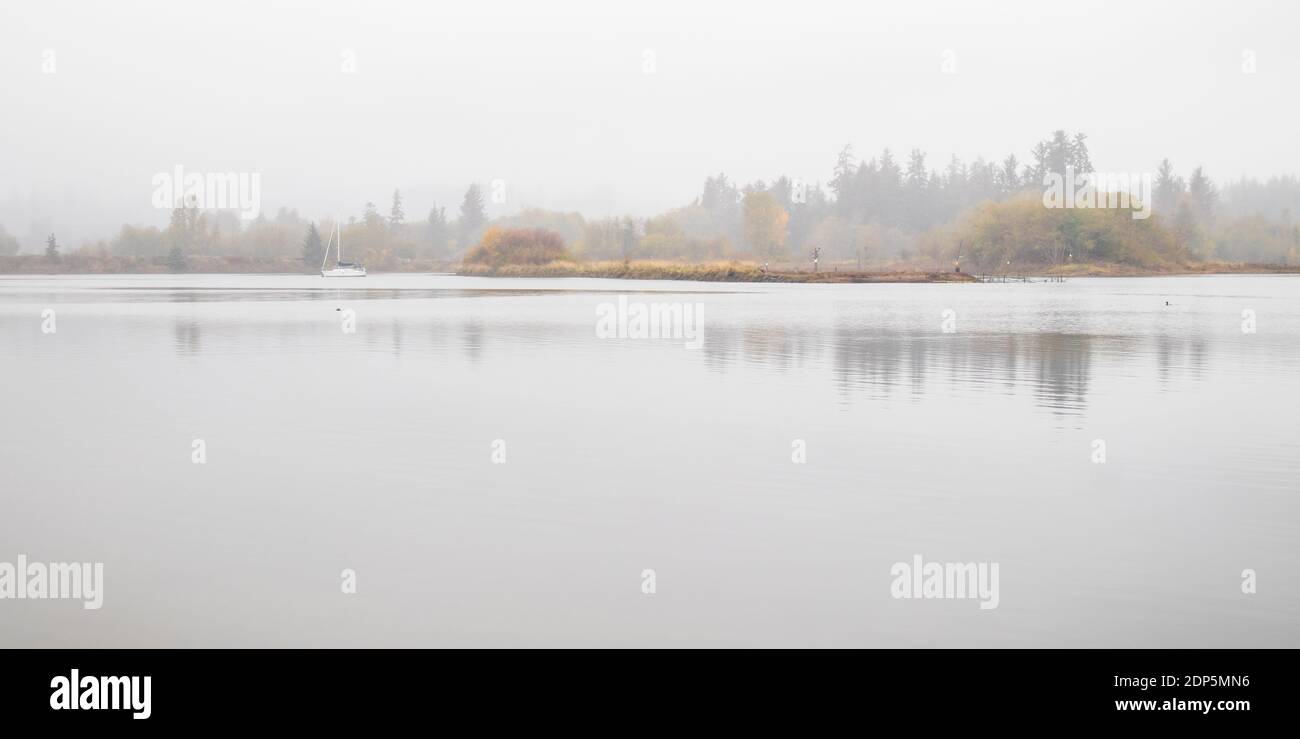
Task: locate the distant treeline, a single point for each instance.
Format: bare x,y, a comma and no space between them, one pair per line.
881,210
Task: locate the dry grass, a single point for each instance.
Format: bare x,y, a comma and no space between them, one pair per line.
1188,268
702,271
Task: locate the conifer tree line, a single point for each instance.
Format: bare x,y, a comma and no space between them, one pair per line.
884,208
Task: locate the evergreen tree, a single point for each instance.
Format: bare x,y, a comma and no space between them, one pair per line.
52,249
371,216
866,193
721,200
1060,152
981,183
176,258
627,236
184,230
1190,231
915,189
1079,158
396,216
438,232
952,190
842,181
889,190
783,191
1204,195
1009,178
1168,189
473,216
313,251
1036,173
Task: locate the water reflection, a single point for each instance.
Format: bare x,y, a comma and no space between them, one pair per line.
861,362
1175,356
187,338
127,294
471,333
626,452
1061,371
1057,368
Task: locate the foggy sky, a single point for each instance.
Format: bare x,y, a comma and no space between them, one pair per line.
553,98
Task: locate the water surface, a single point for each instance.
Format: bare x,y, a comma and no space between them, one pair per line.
373,451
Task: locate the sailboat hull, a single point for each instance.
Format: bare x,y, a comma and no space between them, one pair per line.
344,272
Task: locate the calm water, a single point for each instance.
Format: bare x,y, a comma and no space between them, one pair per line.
373,451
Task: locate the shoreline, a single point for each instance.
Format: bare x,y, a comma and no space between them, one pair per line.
1206,268
749,272
739,272
708,272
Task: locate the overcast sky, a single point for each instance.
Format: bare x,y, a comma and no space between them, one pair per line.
610,107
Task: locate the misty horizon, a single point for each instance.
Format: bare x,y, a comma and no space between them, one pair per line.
601,114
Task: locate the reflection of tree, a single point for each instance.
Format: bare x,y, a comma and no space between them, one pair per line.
472,338
1057,366
876,357
1063,363
719,348
187,338
868,359
779,347
1173,353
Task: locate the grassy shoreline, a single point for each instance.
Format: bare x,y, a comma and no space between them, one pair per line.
734,271
704,272
751,272
1191,268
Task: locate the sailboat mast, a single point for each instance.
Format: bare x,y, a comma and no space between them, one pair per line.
326,257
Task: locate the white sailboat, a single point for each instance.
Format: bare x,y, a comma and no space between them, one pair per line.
340,268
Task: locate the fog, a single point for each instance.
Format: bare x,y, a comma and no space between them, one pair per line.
606,108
